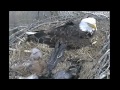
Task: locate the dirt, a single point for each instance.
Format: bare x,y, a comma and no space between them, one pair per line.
88,55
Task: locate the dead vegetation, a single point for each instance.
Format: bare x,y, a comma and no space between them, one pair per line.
93,59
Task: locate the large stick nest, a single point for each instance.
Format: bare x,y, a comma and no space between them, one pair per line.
94,59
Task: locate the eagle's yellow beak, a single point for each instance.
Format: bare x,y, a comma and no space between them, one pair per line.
94,26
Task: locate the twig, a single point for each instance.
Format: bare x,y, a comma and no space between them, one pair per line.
12,49
106,63
104,55
91,57
20,39
105,46
105,70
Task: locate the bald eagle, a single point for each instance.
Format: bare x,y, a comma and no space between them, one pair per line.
73,33
70,35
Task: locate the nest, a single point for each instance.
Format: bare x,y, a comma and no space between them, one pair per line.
94,59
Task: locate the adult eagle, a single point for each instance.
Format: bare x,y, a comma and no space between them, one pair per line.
71,35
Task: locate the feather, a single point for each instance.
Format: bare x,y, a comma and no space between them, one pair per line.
30,33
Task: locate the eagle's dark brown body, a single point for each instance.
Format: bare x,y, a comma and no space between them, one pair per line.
69,33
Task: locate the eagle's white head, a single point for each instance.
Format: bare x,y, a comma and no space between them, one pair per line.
88,25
